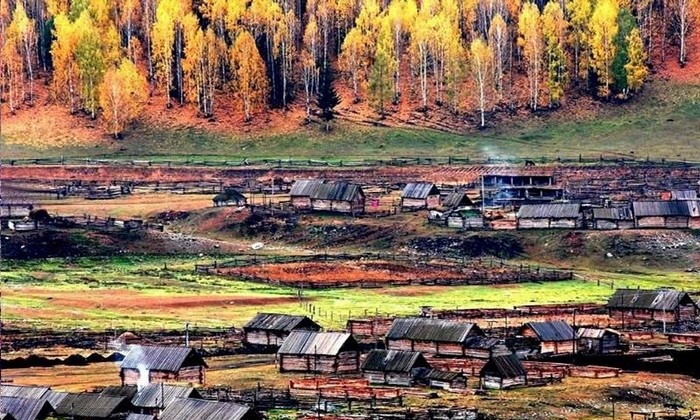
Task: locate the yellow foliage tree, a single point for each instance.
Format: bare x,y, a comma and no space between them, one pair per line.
481,58
554,28
603,28
250,83
635,68
123,94
498,42
579,34
530,40
65,79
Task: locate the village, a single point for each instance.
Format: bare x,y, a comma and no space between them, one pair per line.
429,362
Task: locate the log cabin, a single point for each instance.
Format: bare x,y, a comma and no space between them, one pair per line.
431,336
156,364
598,341
502,372
420,195
319,352
664,305
550,216
195,409
394,367
612,218
320,195
552,337
268,331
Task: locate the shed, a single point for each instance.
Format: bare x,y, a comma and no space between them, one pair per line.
612,218
598,341
652,305
446,380
394,367
156,364
230,197
154,397
431,336
480,347
465,218
319,352
320,195
502,372
420,195
554,337
87,406
457,199
546,216
270,330
26,408
190,409
662,214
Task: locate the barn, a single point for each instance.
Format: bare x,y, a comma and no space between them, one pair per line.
550,216
394,367
553,337
192,409
157,364
153,398
320,195
269,330
652,305
420,195
598,341
230,197
431,336
612,218
92,406
663,214
319,352
502,372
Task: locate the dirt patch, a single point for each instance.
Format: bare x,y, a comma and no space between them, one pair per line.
501,245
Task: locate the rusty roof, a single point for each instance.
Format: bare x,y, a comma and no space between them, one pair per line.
419,190
191,409
551,330
431,329
659,299
280,322
317,343
505,366
161,358
162,395
394,361
550,211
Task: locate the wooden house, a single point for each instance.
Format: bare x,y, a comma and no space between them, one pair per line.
156,364
674,214
319,352
92,406
394,367
517,189
25,408
445,380
270,330
320,195
612,218
195,409
598,341
153,398
480,347
652,305
502,372
420,195
230,197
550,216
552,337
465,218
431,336
457,199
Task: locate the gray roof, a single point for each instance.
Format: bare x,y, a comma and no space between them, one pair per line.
506,366
190,409
441,375
161,358
321,343
430,329
456,199
54,398
326,190
161,395
551,330
661,208
280,322
485,343
91,405
419,190
25,408
126,391
18,391
660,299
550,211
134,416
613,213
394,361
594,333
304,187
684,195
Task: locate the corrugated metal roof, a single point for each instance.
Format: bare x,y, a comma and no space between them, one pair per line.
17,391
550,210
280,322
161,395
326,190
25,408
660,299
552,330
54,398
419,190
440,375
684,195
506,366
321,343
91,405
594,333
394,361
660,208
133,416
429,329
189,409
613,213
456,199
161,358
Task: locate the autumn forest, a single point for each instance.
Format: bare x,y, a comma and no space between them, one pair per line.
106,58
